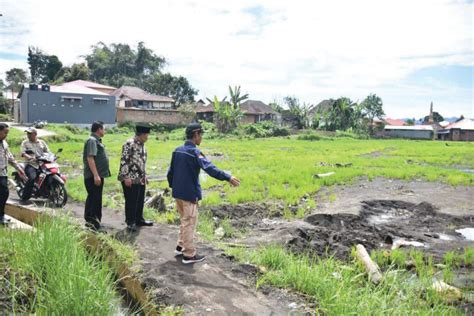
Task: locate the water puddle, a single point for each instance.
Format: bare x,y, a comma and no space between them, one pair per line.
468,233
399,243
380,219
446,237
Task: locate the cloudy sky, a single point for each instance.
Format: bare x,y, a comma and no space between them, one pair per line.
408,52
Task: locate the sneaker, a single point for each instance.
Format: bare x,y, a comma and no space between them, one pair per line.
193,259
4,221
178,251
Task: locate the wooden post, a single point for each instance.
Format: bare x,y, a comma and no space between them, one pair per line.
371,267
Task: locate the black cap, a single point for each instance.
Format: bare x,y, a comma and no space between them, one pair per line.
192,128
142,129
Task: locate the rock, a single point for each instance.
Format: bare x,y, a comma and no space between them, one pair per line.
323,175
403,243
450,293
268,221
292,305
219,232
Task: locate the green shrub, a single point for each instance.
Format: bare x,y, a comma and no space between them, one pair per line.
265,129
312,136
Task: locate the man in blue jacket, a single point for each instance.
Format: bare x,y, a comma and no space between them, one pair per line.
183,178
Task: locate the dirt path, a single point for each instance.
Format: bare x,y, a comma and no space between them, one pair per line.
41,132
218,286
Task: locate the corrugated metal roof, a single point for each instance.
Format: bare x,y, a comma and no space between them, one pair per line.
74,89
136,93
89,84
466,124
410,128
394,122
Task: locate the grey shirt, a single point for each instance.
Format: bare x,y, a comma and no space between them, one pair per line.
6,158
38,148
94,147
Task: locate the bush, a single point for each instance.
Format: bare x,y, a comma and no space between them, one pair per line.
312,136
350,134
265,129
6,117
73,129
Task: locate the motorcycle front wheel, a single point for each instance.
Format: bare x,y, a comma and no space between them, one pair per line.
58,194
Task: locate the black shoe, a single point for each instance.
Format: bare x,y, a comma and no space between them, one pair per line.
132,227
193,259
4,221
101,229
94,227
178,251
145,223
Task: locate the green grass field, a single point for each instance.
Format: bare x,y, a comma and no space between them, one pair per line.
280,169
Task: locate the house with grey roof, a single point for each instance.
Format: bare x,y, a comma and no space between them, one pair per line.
67,103
134,97
135,105
254,111
257,111
461,130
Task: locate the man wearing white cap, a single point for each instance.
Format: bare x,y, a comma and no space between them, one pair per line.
31,148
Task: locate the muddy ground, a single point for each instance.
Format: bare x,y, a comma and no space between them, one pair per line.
217,286
374,213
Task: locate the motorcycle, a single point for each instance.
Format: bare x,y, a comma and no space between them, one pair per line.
49,182
40,123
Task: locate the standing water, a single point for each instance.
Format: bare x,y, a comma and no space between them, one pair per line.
468,233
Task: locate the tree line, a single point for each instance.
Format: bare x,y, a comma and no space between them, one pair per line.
116,64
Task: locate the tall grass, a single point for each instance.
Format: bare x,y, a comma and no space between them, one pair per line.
342,289
67,279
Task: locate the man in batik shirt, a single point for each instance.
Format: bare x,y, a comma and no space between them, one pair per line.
132,174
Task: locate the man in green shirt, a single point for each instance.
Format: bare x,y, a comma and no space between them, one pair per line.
96,168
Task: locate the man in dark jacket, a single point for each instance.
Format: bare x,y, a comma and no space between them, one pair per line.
183,178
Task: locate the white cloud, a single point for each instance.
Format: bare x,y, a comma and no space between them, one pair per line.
312,49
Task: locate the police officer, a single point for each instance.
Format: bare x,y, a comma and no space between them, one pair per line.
96,168
183,178
132,175
6,158
31,148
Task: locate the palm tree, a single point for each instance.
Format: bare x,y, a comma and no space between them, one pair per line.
228,114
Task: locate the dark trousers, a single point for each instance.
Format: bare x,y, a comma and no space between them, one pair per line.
31,173
134,201
4,192
93,208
